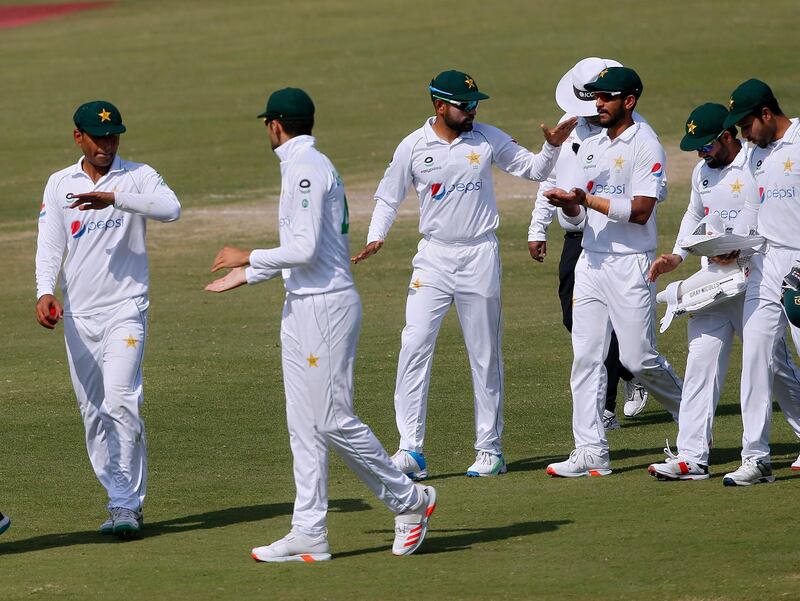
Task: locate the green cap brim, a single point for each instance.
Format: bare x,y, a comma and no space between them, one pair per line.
689,143
735,116
105,130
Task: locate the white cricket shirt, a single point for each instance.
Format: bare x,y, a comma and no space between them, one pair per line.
717,191
633,164
776,169
454,180
106,255
313,224
566,169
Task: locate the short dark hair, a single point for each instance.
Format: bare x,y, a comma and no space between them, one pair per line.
772,105
732,131
297,127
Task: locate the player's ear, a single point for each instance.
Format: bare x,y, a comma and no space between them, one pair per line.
77,135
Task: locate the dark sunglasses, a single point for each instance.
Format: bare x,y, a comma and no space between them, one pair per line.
710,145
465,105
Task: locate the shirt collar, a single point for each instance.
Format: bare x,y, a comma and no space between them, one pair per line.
432,138
289,149
739,160
791,133
77,169
625,135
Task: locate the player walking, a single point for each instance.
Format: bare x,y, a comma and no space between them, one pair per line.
621,182
96,211
319,333
721,182
572,97
775,165
448,161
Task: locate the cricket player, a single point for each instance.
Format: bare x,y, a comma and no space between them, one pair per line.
93,218
620,181
721,182
5,522
572,97
448,161
319,334
775,165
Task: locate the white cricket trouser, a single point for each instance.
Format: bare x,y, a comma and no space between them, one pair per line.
612,293
711,333
319,335
467,274
764,327
105,353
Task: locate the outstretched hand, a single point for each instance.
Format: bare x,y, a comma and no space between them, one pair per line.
91,200
230,257
235,278
560,132
561,198
366,252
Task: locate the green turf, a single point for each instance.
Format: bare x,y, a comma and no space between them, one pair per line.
189,78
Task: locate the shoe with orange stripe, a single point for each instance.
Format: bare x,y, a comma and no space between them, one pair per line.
295,546
678,467
410,527
581,462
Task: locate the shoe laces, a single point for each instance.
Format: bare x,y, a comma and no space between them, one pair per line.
671,457
118,513
485,458
580,455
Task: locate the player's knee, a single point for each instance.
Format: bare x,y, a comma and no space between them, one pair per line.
417,339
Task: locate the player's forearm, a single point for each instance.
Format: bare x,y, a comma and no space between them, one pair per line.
383,217
747,220
300,250
161,206
688,225
535,166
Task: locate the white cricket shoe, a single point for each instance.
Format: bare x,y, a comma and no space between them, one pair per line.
410,527
635,398
411,463
796,464
487,464
677,467
610,421
125,522
5,522
753,471
295,546
581,462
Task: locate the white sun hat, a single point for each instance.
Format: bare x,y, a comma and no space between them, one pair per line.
571,94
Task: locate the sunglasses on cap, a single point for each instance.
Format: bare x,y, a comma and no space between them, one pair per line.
607,96
464,105
710,145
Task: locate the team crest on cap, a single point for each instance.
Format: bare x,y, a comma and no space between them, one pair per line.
691,126
470,82
602,73
657,170
104,116
730,104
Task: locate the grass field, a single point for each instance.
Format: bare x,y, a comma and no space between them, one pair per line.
189,77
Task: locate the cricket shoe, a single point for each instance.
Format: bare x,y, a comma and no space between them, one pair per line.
411,463
610,421
487,464
5,523
411,526
753,471
677,467
125,522
581,462
796,465
295,546
635,398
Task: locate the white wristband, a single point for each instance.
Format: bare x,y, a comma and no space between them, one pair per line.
619,209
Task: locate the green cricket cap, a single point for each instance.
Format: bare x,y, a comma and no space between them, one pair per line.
455,85
617,79
288,104
98,118
704,125
747,98
791,302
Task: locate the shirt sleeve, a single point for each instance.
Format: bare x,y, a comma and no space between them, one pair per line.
648,173
308,184
155,199
517,160
693,215
543,211
50,244
392,189
256,276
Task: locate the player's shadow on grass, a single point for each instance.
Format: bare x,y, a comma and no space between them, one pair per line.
459,539
201,521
